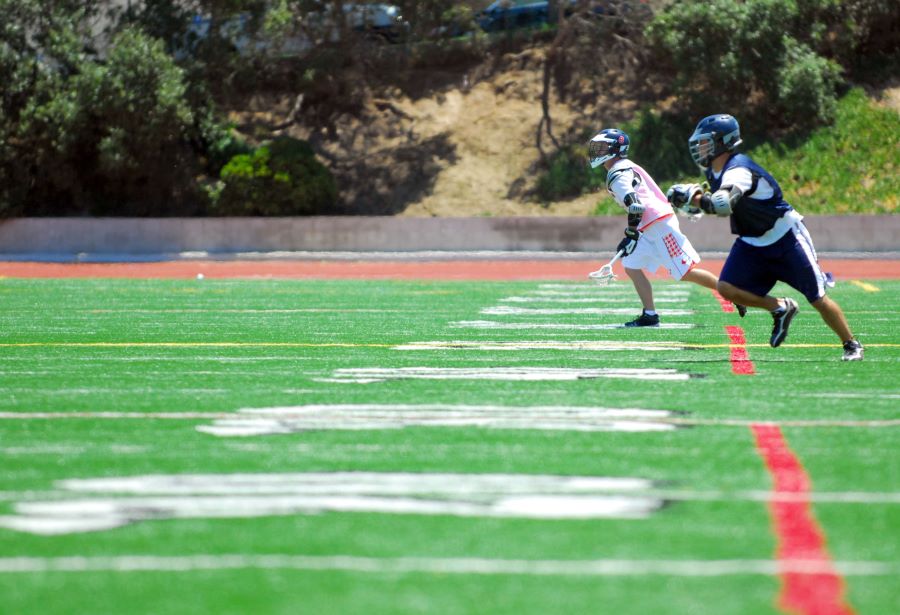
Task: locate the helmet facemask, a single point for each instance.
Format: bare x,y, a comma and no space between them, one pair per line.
598,151
703,148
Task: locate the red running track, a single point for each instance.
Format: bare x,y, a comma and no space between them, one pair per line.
431,270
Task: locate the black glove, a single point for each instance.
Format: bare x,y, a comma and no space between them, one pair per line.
629,243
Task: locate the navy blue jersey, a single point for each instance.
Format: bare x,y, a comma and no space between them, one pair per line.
752,217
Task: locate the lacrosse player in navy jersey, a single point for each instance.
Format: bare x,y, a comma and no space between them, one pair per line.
653,238
773,244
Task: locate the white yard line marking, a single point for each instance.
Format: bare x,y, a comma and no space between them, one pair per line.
437,565
67,449
114,502
295,419
493,324
244,311
402,412
187,345
631,300
368,375
508,310
598,345
837,395
678,495
178,416
600,293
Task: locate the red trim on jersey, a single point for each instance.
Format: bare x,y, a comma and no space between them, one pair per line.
654,221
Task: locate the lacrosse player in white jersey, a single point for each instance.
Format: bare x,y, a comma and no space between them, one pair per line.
653,238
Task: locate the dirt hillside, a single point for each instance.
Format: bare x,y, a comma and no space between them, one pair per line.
491,126
465,149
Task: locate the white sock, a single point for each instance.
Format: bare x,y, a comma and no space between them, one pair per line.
650,312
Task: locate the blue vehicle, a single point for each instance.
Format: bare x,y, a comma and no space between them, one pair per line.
509,14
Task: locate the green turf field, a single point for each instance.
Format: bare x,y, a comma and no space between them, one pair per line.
271,446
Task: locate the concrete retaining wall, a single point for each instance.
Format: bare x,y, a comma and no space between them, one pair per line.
22,237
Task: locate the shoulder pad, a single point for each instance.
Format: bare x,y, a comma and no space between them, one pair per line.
613,175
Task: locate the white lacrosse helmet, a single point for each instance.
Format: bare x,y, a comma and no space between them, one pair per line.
608,144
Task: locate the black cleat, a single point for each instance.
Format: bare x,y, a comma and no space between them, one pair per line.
644,320
853,351
783,320
741,309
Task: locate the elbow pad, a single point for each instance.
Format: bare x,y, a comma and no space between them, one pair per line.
633,204
723,201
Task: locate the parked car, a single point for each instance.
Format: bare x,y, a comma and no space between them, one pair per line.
509,14
384,20
378,21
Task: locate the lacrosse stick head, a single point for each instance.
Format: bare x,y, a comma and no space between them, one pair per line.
691,213
603,276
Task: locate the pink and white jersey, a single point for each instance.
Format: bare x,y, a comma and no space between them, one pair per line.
625,177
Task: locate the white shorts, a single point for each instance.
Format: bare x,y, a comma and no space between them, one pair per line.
663,245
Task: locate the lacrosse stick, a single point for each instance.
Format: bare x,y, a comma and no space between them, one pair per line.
605,274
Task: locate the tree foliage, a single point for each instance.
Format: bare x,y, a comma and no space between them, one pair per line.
112,108
779,62
281,178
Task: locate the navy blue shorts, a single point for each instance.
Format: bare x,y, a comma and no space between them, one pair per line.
791,259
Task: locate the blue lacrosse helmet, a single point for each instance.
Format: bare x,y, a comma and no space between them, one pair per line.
609,143
714,135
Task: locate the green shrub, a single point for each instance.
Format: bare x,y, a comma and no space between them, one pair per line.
281,178
751,56
806,85
568,175
850,167
659,143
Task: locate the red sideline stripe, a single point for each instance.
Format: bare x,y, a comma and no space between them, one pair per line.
798,533
740,360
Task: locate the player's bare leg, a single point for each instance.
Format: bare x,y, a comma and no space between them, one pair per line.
709,280
648,317
643,288
783,310
737,295
702,277
834,317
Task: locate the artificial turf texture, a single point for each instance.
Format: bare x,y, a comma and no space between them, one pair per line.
85,347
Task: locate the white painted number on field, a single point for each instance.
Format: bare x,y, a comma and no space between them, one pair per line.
267,421
109,503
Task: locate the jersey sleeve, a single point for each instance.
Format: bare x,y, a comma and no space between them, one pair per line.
740,177
620,183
